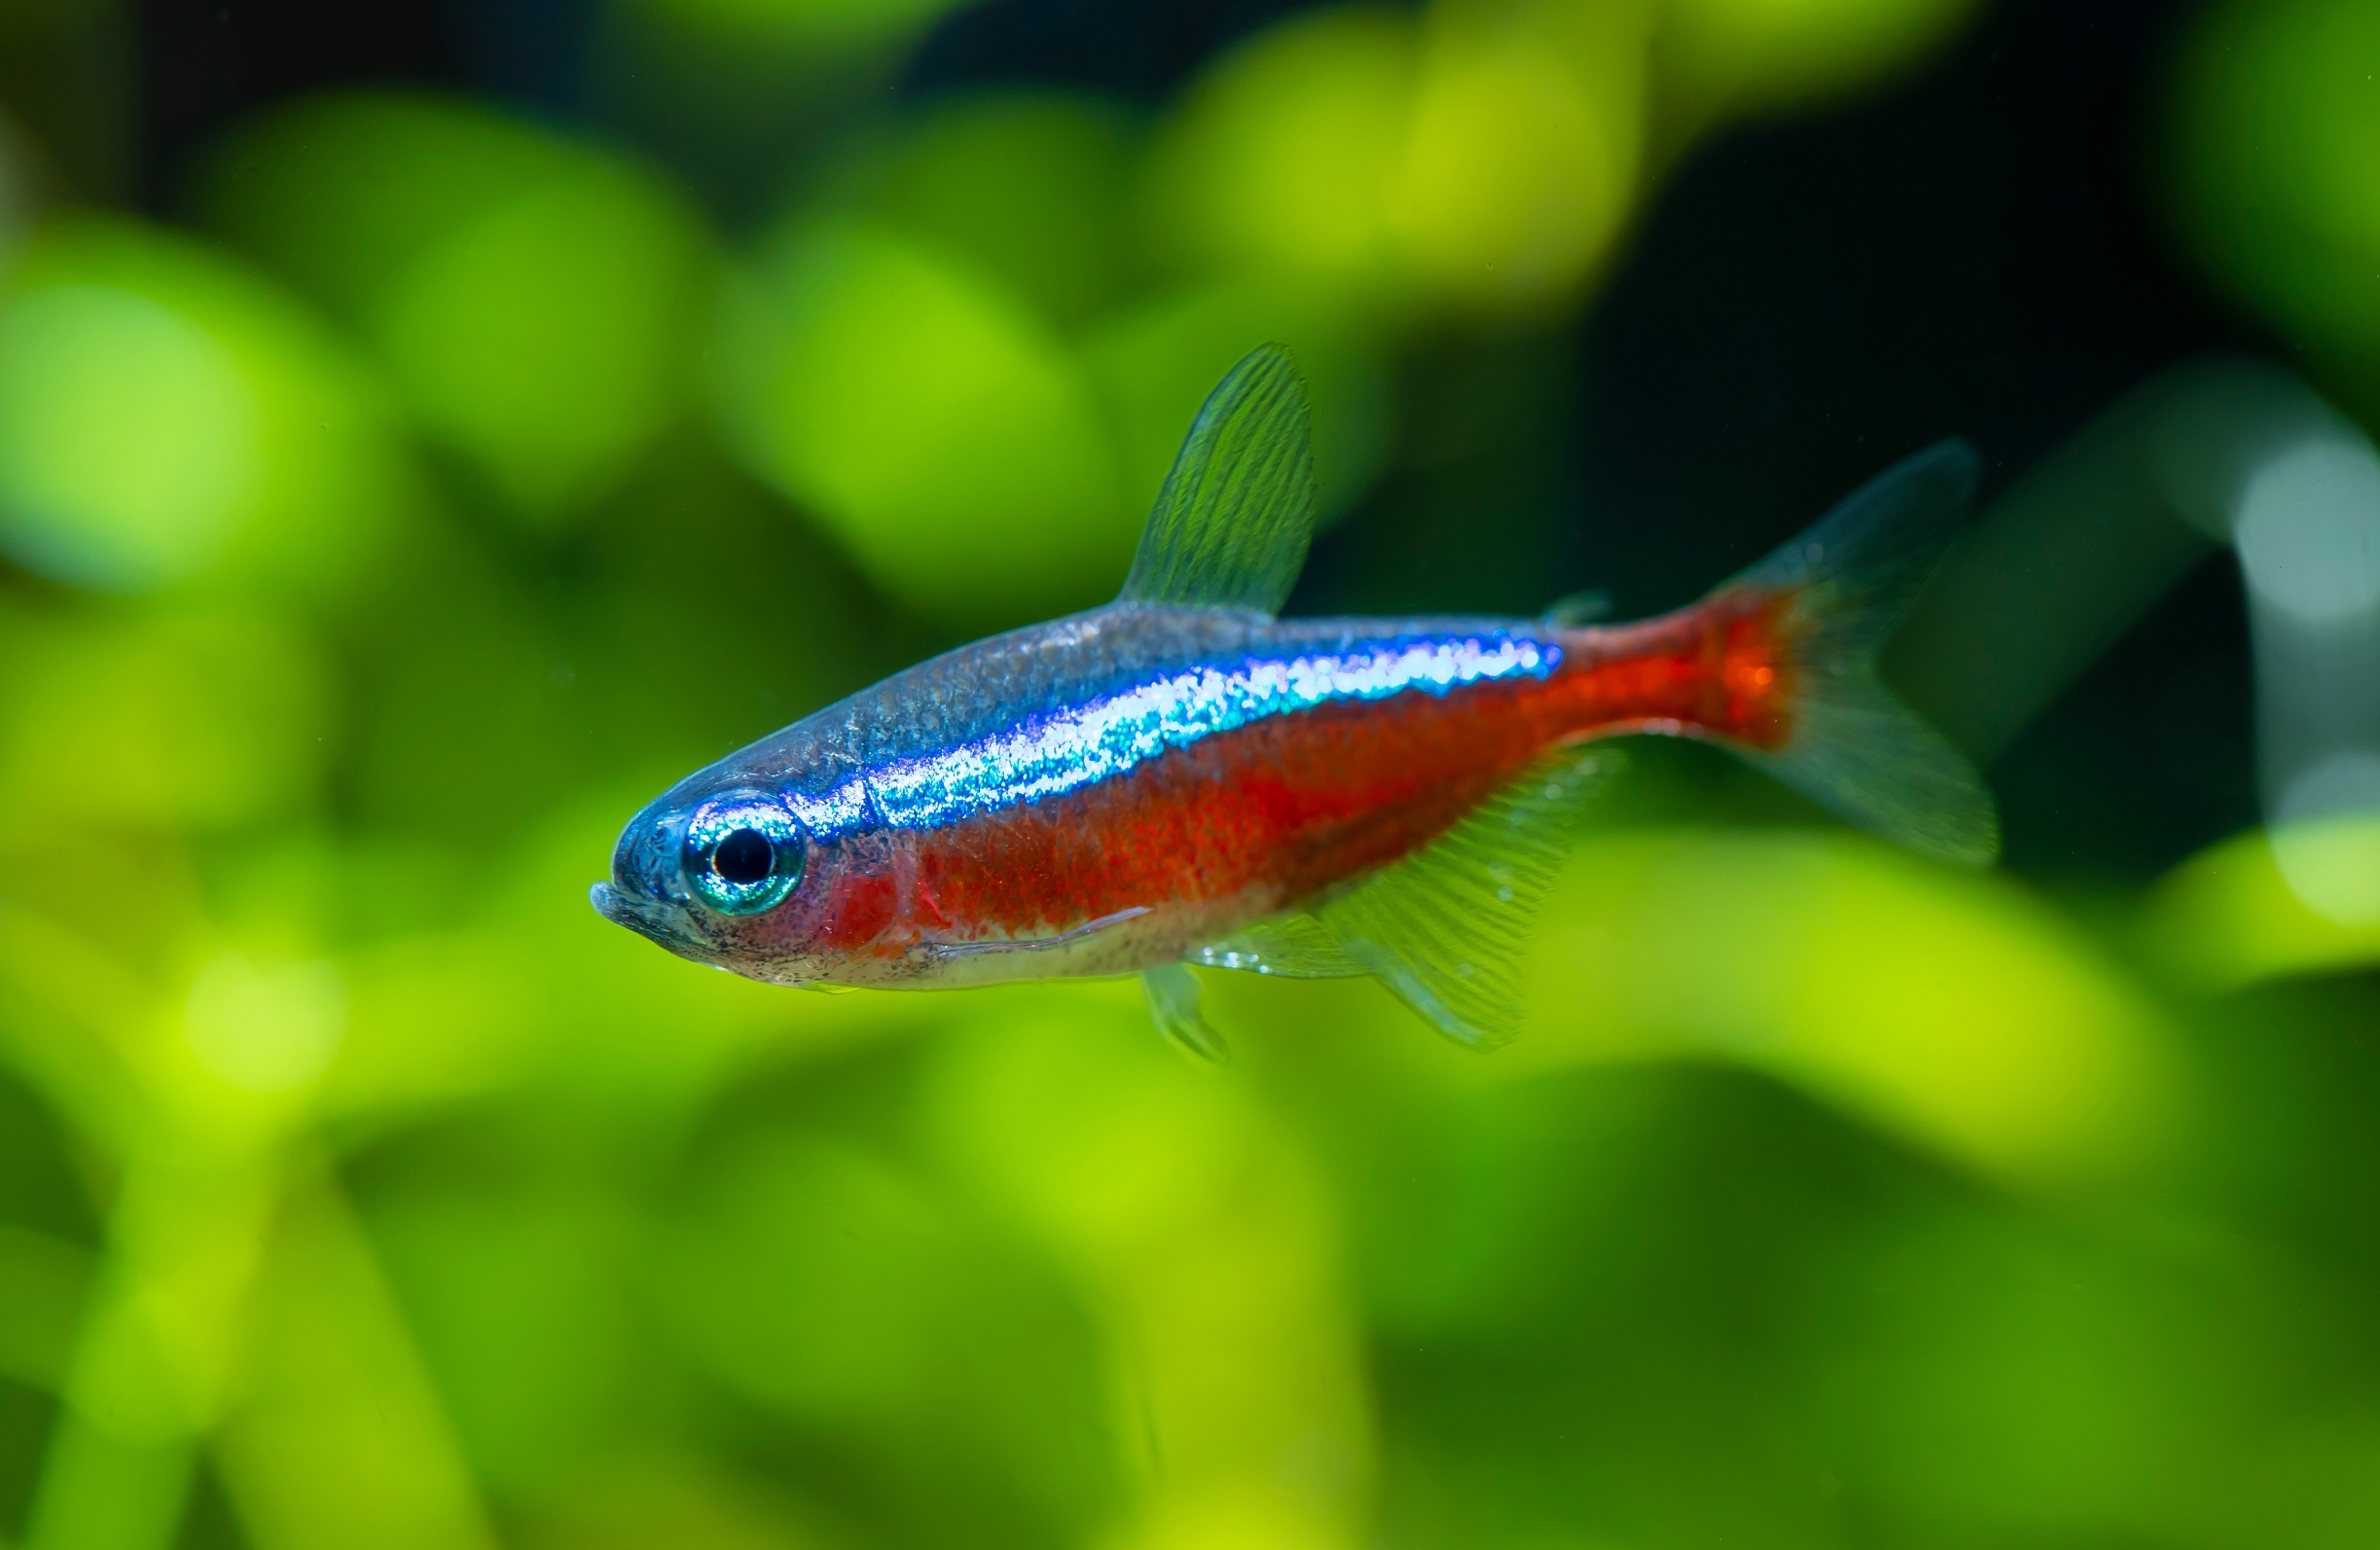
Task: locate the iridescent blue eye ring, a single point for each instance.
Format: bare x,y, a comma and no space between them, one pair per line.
744,853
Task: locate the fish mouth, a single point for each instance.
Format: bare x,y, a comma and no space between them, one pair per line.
655,921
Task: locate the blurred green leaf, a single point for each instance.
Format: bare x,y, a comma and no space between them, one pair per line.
1025,187
2230,916
517,1288
1942,1005
937,428
828,28
533,299
1733,56
163,720
817,1279
342,1439
166,417
1156,362
1521,166
1199,1229
2000,1372
1279,158
2275,160
1474,159
43,1283
649,1499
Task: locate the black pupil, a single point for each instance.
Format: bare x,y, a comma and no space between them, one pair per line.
744,858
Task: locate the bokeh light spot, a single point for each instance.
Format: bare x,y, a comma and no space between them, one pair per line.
2309,533
1279,160
128,455
264,1028
2326,837
1519,168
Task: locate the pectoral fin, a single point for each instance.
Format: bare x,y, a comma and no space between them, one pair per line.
1173,1002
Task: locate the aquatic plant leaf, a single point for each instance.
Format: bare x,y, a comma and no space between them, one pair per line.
1231,525
1444,930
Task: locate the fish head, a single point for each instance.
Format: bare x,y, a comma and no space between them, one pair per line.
726,875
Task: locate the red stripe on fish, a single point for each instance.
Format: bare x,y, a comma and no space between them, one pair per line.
1276,811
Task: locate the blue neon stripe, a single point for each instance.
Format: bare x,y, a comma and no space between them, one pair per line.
1049,755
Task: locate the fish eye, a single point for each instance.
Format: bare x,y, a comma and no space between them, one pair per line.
744,858
744,854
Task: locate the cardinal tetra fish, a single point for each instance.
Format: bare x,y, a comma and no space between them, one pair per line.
1182,778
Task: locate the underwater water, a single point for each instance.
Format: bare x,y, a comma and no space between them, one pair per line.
427,431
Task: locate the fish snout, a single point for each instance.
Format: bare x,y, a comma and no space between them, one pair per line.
644,861
647,917
646,892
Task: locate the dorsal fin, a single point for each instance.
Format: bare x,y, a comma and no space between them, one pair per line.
1231,525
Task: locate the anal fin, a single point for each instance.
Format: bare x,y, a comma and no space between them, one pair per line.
1296,947
1445,927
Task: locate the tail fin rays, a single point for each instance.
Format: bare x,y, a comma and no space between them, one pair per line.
1849,580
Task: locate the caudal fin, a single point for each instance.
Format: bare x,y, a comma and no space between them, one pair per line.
1846,585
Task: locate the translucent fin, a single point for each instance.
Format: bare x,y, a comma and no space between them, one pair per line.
1849,581
1231,525
1174,998
1296,947
1444,928
1577,611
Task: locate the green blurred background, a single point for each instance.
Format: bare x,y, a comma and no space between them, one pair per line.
427,430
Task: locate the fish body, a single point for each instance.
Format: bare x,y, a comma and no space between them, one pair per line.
1179,776
1175,774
